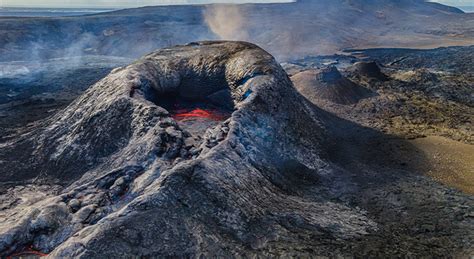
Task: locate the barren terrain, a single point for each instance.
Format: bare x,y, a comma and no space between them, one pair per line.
394,192
424,96
316,142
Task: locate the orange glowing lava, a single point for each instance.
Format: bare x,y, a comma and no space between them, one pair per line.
199,113
28,252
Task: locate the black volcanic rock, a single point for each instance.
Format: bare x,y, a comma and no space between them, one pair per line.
329,84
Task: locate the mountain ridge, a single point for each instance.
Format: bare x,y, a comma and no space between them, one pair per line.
284,29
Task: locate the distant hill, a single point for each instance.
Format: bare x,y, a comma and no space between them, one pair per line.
285,29
467,9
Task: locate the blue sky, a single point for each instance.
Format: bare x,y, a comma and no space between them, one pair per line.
130,3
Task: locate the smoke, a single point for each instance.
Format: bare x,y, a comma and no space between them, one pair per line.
12,70
41,57
235,22
226,21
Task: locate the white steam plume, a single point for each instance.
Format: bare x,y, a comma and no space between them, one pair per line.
226,21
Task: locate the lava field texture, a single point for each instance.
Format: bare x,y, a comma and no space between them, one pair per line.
119,173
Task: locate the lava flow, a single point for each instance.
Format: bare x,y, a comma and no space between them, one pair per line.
199,113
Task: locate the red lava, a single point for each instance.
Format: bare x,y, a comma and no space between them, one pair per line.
27,252
199,113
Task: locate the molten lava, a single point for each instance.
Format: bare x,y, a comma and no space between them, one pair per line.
199,113
29,251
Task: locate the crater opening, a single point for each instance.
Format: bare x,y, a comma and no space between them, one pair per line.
199,93
197,113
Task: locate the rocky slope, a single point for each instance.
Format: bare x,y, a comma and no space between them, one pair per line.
115,174
33,90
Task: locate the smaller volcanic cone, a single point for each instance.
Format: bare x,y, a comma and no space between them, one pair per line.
369,70
329,84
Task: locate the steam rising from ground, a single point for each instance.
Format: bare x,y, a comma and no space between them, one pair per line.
10,70
226,21
232,22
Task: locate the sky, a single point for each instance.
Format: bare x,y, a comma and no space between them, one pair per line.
132,3
118,3
457,2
